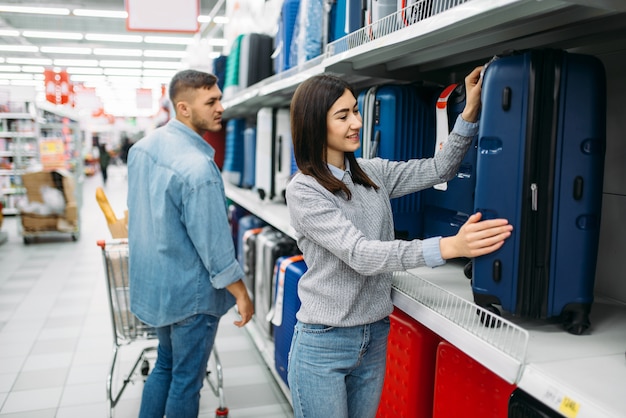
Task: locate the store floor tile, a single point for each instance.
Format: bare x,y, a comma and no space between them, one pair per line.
56,336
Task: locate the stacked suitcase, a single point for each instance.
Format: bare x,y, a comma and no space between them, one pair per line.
233,155
410,374
447,206
249,157
274,151
540,165
270,245
249,227
255,59
396,121
289,270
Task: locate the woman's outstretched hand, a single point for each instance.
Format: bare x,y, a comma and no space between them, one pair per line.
476,238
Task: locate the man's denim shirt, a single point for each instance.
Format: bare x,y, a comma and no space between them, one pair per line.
182,254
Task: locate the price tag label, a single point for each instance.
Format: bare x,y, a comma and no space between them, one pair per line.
569,407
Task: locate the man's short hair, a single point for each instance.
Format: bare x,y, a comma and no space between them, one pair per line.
189,80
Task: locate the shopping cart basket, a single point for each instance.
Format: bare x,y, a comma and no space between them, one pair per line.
127,328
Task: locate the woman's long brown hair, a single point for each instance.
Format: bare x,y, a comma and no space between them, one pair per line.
309,109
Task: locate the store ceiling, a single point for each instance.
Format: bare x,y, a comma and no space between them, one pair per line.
97,56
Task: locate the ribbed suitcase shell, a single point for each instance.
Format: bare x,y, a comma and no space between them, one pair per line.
445,211
249,227
410,375
255,59
233,155
540,165
282,41
293,267
465,388
270,245
249,157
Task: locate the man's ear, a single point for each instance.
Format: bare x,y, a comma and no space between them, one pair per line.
182,109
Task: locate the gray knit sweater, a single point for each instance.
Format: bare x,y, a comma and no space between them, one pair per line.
349,245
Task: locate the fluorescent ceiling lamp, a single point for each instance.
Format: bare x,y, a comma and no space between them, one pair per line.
84,70
10,68
87,78
75,63
65,50
9,32
159,73
170,65
29,61
120,63
35,10
100,13
75,36
158,53
19,48
118,52
170,40
15,82
109,37
33,69
123,71
16,76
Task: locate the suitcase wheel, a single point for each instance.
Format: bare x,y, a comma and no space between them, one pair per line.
576,322
145,368
261,193
489,321
467,270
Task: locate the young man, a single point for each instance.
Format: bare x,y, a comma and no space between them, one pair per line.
183,271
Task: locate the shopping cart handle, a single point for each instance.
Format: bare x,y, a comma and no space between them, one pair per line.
103,243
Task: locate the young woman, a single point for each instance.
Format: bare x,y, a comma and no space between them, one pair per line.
339,207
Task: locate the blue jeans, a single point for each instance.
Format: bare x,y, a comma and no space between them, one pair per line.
337,372
173,387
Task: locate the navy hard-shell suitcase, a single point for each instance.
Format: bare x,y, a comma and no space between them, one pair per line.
396,119
447,206
289,270
271,244
345,17
233,154
540,165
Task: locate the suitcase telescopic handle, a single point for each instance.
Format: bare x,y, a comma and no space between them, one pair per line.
533,196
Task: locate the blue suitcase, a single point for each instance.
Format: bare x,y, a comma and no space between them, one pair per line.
540,165
396,119
219,70
249,157
308,32
282,40
345,17
289,270
233,154
447,206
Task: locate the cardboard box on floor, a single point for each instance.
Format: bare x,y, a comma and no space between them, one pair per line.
33,183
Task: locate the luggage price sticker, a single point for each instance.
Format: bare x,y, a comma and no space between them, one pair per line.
561,403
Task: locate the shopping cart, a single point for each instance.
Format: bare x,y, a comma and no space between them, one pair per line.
127,328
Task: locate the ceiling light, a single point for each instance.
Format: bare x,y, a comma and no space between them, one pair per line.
15,82
65,50
170,65
118,52
158,53
100,13
84,70
29,61
35,10
75,36
10,68
171,40
123,71
221,19
19,48
120,63
33,69
75,63
109,37
217,19
16,76
9,32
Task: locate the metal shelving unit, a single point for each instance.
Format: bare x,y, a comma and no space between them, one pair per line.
578,376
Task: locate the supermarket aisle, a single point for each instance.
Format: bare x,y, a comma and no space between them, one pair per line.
55,332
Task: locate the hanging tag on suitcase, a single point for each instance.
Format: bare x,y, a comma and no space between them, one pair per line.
447,206
540,165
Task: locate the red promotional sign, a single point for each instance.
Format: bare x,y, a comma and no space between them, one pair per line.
57,86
